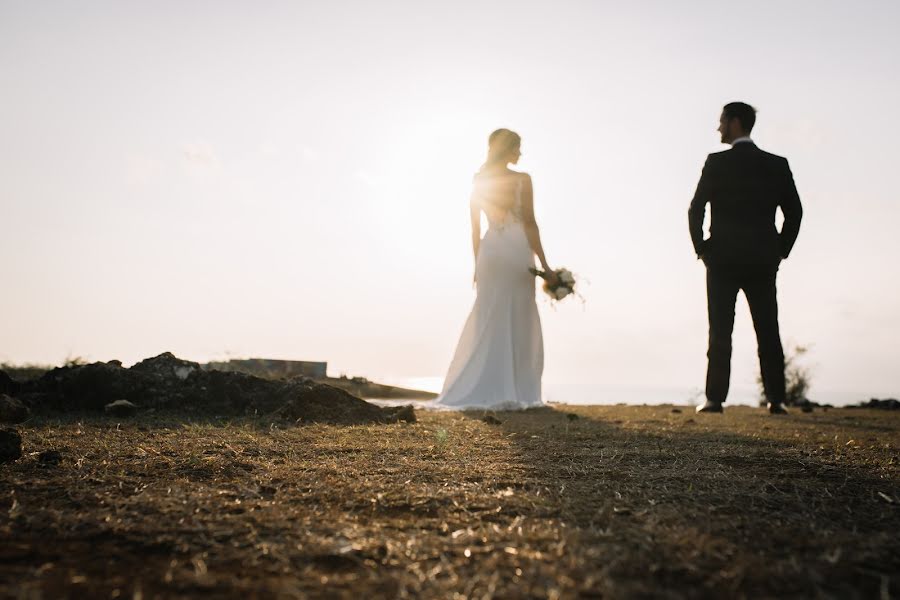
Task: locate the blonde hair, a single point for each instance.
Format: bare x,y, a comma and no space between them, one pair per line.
500,143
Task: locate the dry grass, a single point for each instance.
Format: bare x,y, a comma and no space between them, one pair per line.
613,502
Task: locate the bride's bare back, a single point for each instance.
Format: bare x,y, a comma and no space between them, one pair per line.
499,195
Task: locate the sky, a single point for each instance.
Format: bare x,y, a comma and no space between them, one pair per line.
291,179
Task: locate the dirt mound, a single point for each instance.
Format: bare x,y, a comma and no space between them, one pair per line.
167,383
88,387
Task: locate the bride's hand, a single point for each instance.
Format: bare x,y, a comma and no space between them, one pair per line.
551,278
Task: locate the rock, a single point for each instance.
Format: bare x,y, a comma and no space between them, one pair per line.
572,416
12,410
807,407
10,445
491,420
400,414
676,411
886,404
120,408
8,385
167,365
50,457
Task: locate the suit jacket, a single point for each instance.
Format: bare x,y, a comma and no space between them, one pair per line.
743,186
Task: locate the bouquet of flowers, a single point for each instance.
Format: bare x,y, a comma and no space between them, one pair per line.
565,283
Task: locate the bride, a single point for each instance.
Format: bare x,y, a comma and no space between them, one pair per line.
500,355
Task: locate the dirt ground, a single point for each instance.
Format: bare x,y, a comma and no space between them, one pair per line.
568,502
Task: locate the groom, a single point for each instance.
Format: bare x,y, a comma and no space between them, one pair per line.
743,186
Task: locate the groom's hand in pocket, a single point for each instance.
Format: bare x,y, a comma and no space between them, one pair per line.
703,252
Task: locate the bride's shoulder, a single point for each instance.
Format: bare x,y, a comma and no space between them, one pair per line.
500,179
524,179
518,175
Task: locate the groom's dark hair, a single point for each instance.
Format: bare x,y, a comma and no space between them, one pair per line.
743,112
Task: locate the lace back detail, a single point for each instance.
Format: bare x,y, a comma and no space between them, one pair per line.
516,210
511,215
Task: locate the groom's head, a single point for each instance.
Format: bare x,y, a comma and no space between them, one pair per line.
737,121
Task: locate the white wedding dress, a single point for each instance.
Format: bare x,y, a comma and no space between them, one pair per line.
500,356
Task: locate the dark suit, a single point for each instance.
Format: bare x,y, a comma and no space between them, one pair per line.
743,187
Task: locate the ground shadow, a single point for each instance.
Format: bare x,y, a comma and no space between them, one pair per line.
665,502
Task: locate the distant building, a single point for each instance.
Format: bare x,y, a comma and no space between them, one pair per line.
273,368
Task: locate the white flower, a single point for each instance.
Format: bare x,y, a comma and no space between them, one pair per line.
561,292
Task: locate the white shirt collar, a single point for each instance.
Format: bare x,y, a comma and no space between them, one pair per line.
741,140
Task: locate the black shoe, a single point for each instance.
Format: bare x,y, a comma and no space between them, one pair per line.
776,409
710,407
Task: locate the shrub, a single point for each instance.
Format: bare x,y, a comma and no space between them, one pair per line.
796,378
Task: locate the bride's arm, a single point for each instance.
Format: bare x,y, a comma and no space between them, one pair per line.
531,228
